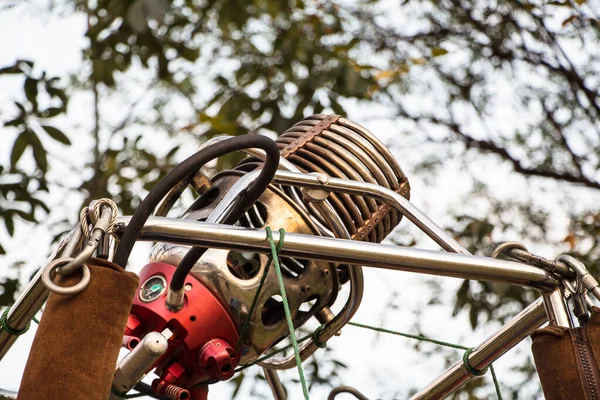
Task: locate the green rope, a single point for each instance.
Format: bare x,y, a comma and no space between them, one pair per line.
407,335
470,369
496,383
274,353
263,278
7,328
286,306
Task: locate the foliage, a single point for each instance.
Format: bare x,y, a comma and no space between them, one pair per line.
448,72
20,187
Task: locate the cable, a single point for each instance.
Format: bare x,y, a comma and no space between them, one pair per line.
146,390
251,194
190,166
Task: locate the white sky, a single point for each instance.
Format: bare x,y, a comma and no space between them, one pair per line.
377,364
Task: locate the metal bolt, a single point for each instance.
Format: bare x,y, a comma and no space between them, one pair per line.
322,179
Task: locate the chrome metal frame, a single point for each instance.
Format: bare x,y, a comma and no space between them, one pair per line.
184,232
193,233
461,265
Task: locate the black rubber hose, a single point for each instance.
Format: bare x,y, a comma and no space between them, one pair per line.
147,390
190,166
251,194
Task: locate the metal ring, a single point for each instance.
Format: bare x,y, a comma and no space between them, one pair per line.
54,288
504,247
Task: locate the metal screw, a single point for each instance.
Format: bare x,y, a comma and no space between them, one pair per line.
322,179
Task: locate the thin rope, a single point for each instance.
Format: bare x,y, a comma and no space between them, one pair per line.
407,335
263,278
266,357
286,306
4,326
496,383
472,370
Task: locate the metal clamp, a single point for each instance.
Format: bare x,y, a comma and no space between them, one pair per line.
94,212
102,225
54,288
588,281
519,252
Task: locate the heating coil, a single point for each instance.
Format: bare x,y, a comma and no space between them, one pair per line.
326,144
335,146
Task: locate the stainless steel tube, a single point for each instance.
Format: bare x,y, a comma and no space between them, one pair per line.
275,384
556,309
346,389
491,349
410,211
135,364
35,294
188,232
589,282
407,209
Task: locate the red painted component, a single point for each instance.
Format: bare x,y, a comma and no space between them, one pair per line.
175,373
218,357
170,391
200,348
199,392
134,326
129,342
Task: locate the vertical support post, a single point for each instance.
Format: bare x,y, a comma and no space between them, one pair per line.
556,309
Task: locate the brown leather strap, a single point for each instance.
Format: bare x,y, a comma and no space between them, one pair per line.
292,147
77,343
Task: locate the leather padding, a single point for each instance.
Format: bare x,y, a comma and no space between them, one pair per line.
556,358
75,350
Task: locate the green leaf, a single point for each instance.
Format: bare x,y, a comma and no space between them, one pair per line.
39,153
8,222
55,92
18,148
26,216
31,91
473,314
14,122
9,288
438,51
57,135
13,69
172,152
21,108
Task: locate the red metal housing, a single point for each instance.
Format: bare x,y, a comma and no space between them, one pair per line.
202,347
